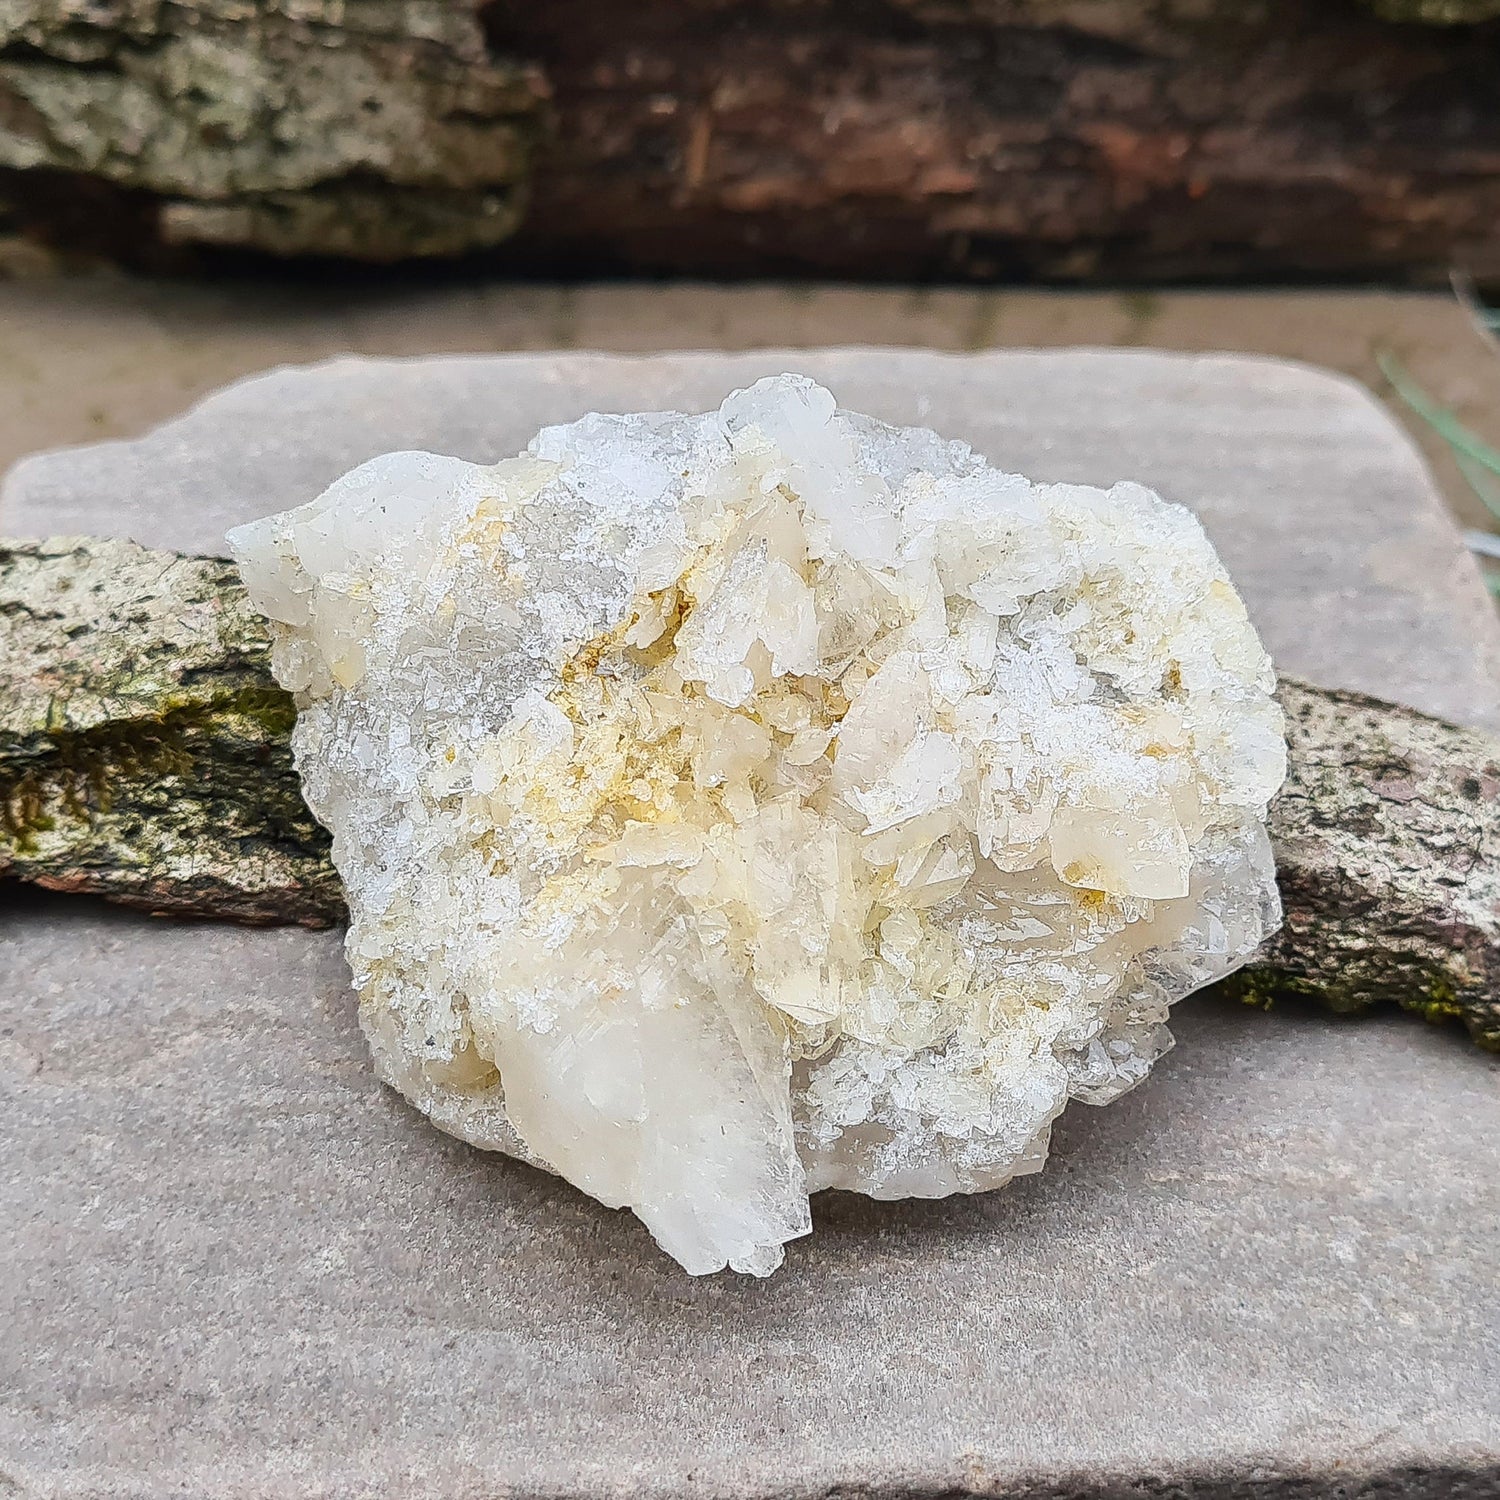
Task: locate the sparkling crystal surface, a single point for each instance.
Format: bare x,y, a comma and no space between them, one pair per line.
737,805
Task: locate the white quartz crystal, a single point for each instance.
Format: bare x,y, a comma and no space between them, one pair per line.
738,805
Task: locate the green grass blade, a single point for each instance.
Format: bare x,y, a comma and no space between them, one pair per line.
1481,480
1439,418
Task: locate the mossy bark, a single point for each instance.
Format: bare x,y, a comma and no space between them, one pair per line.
144,750
144,757
1436,12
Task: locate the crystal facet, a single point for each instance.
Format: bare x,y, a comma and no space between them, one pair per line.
737,805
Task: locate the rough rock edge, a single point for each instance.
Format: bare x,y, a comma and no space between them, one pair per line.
144,757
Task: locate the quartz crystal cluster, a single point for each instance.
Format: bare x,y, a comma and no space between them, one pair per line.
737,805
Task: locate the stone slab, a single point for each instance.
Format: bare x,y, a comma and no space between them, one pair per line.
233,1265
1318,504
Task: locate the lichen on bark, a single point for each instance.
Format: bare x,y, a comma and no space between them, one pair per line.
1387,839
373,129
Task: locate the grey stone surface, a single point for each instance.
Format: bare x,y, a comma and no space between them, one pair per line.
232,1265
1320,507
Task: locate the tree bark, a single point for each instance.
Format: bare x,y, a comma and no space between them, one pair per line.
1073,140
144,757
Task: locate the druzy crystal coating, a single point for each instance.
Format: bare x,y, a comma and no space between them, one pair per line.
736,805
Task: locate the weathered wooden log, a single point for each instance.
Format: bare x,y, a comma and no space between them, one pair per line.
1070,139
144,757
